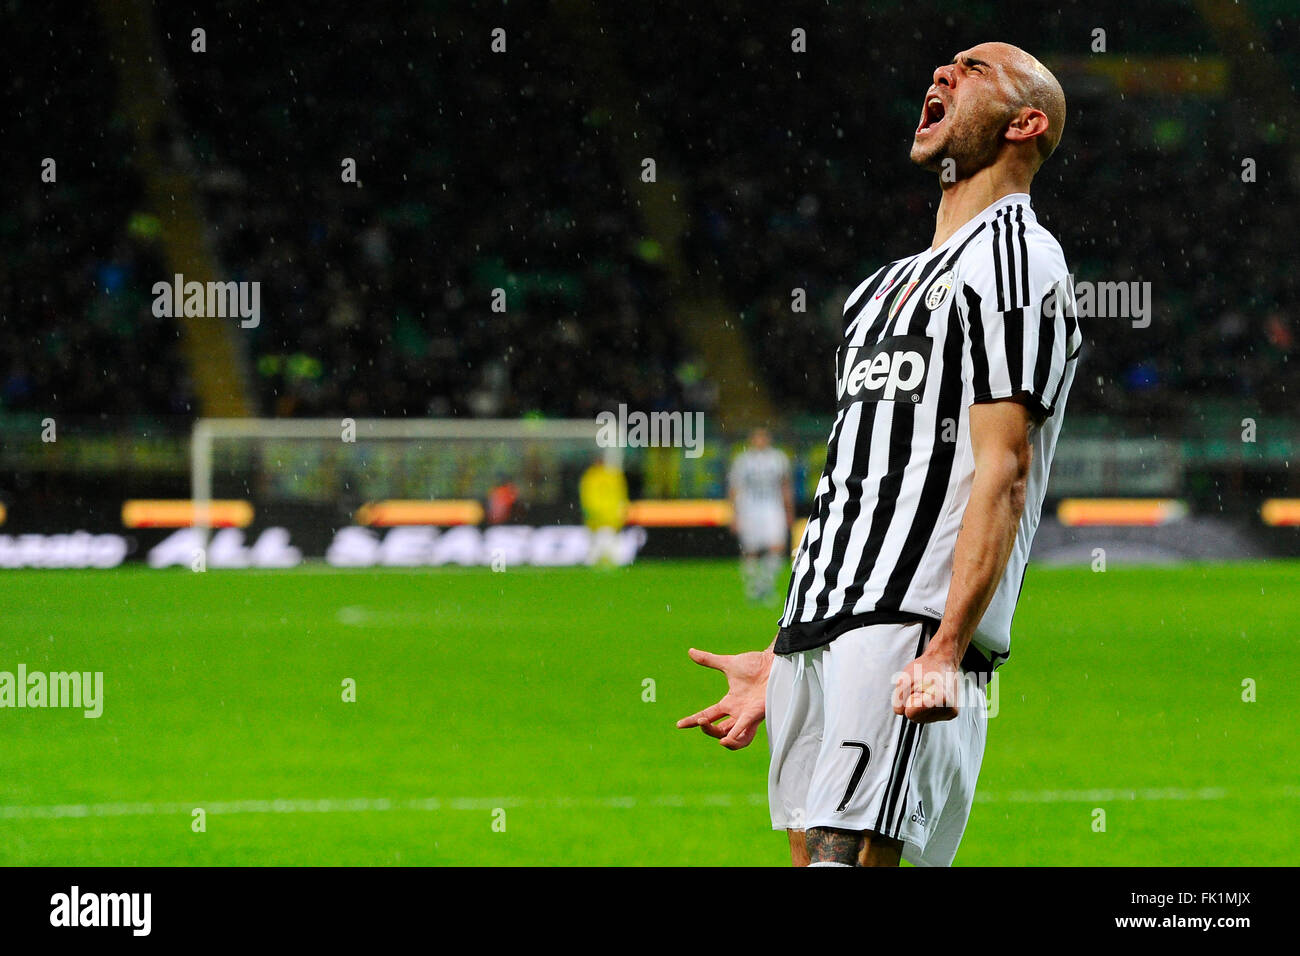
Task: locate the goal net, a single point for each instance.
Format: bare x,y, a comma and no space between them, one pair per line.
335,482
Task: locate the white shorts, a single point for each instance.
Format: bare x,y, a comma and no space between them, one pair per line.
762,529
841,757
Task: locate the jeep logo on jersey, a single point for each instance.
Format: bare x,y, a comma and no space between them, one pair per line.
891,370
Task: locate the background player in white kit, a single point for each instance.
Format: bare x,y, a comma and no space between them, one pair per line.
762,502
951,385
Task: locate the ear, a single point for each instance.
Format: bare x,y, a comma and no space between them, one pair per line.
1026,125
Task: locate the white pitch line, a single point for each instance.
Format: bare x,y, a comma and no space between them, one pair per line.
676,800
1103,795
373,805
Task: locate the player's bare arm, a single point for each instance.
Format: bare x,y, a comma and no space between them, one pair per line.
733,721
927,689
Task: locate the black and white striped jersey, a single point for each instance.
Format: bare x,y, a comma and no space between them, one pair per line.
988,315
757,478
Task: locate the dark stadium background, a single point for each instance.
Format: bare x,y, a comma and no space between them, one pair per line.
522,170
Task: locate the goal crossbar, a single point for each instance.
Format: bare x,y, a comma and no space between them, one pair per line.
207,431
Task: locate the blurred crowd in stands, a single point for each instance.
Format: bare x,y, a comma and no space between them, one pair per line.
479,171
78,254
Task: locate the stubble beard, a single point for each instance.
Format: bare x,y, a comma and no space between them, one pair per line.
971,148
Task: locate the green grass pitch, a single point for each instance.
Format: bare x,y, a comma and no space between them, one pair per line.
524,692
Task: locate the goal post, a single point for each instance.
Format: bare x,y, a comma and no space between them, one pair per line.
408,457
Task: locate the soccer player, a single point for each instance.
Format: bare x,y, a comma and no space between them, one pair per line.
762,502
602,491
952,378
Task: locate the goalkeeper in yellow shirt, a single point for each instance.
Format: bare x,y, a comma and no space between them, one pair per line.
603,493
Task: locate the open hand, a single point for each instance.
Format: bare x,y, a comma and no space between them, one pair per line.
734,720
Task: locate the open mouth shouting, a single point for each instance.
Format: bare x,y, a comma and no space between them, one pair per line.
932,113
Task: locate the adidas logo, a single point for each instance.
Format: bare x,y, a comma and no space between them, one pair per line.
918,815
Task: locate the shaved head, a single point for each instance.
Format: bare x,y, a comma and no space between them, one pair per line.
1037,89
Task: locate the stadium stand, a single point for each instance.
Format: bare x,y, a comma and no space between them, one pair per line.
494,172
